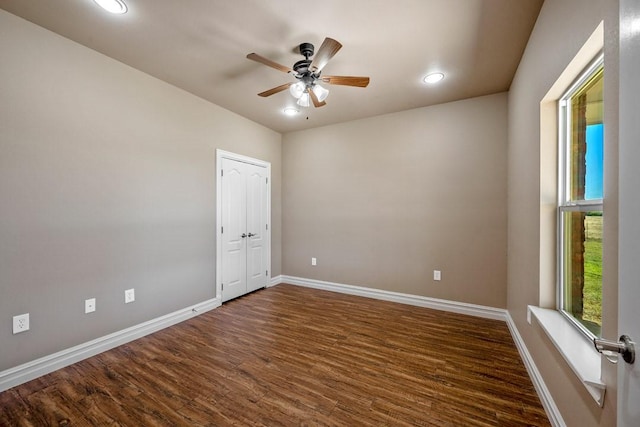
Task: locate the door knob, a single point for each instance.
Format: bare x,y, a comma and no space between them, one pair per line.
251,234
243,235
624,347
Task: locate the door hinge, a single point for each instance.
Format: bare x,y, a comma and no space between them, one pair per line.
266,226
221,172
222,286
266,273
221,230
267,180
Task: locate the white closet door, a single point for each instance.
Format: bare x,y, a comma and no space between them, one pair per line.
257,244
234,219
244,227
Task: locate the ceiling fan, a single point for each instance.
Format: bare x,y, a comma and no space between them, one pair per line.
308,73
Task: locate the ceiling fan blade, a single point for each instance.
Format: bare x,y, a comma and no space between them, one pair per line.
268,62
275,90
327,50
314,99
346,80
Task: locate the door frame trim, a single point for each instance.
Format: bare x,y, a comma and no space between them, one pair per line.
222,154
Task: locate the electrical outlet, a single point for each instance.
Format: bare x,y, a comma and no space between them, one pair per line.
314,261
437,275
129,296
89,305
20,323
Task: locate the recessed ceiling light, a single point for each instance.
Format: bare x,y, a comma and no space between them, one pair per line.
433,78
113,6
290,111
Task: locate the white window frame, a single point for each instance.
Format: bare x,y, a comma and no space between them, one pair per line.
565,204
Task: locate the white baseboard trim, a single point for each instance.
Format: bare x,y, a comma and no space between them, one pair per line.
420,301
275,281
47,364
546,399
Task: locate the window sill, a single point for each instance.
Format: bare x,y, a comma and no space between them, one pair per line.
579,353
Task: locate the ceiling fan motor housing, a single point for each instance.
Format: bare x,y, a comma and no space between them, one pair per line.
301,67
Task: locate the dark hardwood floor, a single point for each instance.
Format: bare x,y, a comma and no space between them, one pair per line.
292,356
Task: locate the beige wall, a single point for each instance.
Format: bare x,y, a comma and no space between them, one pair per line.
562,28
107,182
384,201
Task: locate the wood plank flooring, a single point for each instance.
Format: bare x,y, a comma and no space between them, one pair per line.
292,356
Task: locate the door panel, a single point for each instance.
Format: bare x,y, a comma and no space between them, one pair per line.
256,224
234,262
629,210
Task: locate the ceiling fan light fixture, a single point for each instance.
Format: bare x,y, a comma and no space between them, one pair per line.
290,111
304,100
297,89
112,6
433,78
306,89
321,93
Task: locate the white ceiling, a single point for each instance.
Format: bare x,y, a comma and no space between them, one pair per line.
201,45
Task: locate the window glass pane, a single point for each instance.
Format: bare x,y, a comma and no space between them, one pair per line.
583,268
594,161
586,145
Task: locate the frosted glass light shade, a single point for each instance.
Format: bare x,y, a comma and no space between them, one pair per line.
321,93
303,101
297,89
